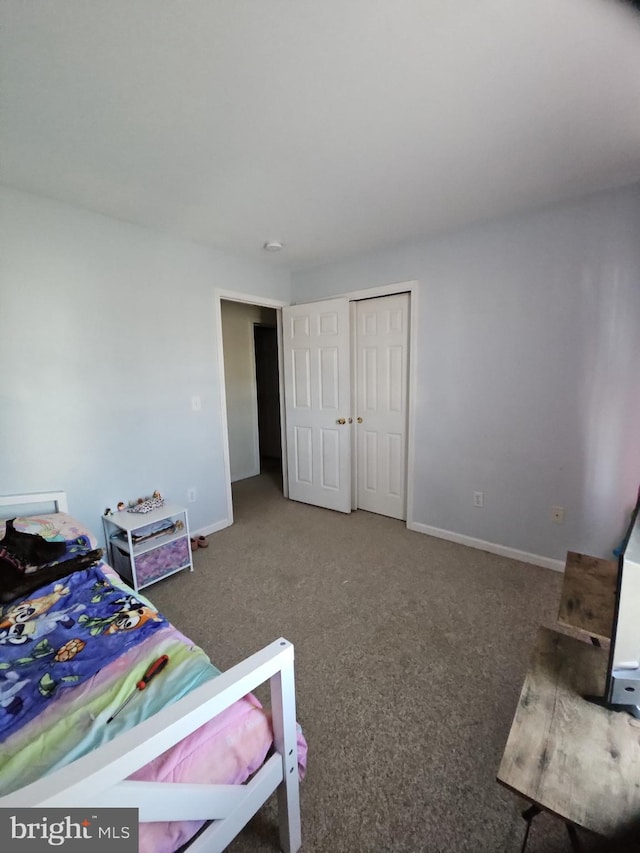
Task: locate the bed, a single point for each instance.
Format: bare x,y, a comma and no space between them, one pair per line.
194,752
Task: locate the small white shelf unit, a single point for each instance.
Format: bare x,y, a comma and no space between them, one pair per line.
133,560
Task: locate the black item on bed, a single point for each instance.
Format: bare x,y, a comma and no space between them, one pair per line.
30,548
28,561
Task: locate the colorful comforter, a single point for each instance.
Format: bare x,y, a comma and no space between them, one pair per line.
60,637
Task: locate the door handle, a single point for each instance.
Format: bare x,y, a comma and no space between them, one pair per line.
341,421
359,420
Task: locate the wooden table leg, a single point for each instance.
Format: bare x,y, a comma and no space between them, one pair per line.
573,838
528,815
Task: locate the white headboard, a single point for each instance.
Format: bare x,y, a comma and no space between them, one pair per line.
58,499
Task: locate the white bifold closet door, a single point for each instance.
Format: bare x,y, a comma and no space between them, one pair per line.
381,371
317,403
322,408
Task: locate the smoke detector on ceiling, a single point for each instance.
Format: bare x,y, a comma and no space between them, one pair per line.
273,246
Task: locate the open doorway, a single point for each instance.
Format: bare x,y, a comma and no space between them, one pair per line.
250,355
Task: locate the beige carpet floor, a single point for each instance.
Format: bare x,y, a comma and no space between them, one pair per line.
410,655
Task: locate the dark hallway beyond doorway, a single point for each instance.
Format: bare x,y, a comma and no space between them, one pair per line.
267,385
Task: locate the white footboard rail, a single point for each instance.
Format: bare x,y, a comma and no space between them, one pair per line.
99,779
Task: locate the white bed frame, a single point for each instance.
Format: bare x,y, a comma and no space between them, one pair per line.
99,779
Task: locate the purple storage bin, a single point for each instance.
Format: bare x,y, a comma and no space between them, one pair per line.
167,558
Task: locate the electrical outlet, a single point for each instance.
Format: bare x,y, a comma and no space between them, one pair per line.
557,514
196,403
191,495
478,498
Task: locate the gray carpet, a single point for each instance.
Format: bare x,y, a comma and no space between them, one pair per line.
410,655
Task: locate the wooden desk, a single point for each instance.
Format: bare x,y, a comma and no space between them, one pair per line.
568,756
588,595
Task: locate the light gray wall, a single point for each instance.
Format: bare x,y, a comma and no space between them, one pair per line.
527,373
240,384
108,330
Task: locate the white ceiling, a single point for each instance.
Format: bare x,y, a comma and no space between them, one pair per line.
335,126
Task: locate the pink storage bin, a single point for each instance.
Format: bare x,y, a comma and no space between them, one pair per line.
161,561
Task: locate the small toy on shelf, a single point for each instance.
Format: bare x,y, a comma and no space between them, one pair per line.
155,501
147,504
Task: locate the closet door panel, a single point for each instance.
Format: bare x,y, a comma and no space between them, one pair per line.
382,358
317,403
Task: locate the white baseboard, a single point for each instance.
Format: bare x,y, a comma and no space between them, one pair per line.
237,477
491,547
212,528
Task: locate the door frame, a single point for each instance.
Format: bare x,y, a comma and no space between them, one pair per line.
263,302
412,288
